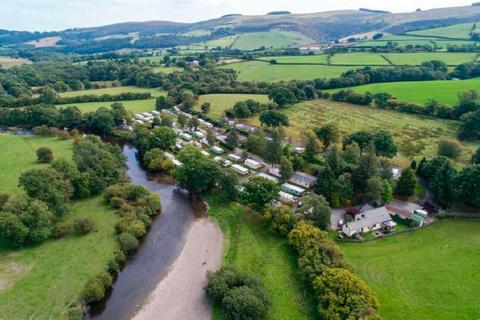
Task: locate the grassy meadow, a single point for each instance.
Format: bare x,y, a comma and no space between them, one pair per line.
9,62
251,247
416,136
416,58
135,106
360,58
220,102
112,91
457,31
167,70
428,274
271,39
38,282
310,59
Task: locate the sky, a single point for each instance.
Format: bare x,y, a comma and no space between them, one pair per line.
54,15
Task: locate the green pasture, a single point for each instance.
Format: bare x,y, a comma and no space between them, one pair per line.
310,59
221,102
417,58
112,91
457,31
271,39
358,58
135,106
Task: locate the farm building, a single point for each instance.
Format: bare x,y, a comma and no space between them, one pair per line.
252,164
268,177
216,150
293,190
304,180
240,169
368,221
287,197
234,157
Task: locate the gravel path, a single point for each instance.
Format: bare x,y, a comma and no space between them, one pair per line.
180,295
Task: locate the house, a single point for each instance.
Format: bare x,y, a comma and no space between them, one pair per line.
287,198
293,190
268,177
252,164
399,212
240,169
233,157
303,180
367,221
216,150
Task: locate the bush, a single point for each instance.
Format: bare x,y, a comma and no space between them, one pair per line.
242,303
133,226
105,279
449,149
128,242
94,290
61,229
281,219
44,155
83,225
76,313
113,266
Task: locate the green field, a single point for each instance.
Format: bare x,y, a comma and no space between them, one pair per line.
39,282
418,57
445,91
264,72
415,135
222,42
428,274
271,39
457,31
220,102
403,43
310,59
135,106
167,70
112,91
251,247
360,58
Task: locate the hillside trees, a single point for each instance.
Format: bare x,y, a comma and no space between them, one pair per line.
328,134
273,118
406,183
259,192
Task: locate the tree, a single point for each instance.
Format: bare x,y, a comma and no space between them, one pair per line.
47,96
162,138
181,120
476,157
119,113
328,134
406,183
161,103
385,145
227,185
197,173
273,118
282,96
352,153
343,187
387,191
128,243
366,169
188,100
311,144
258,192
256,142
44,155
317,209
193,123
286,169
83,225
468,185
210,136
325,184
101,121
48,186
362,138
470,127
273,148
341,295
374,191
241,110
232,138
71,117
281,219
443,185
206,107
449,149
381,99
166,121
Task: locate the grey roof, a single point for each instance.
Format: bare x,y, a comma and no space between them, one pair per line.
304,177
370,218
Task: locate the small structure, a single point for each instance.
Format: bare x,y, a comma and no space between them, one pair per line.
287,198
252,164
155,113
226,163
205,153
169,156
293,190
303,180
216,150
300,150
218,159
199,135
240,169
399,212
185,136
368,221
396,172
176,163
268,177
233,157
421,213
275,171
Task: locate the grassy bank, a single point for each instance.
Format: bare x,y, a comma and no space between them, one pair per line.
251,247
428,274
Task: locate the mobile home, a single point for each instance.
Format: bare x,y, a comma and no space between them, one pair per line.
294,190
240,170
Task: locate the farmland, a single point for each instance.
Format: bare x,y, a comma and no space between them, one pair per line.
427,274
135,106
8,62
112,91
358,59
418,57
310,59
414,135
272,39
220,102
264,72
457,31
164,69
251,247
39,282
445,91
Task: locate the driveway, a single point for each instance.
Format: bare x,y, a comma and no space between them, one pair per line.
337,214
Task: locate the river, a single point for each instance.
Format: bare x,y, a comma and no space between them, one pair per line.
162,245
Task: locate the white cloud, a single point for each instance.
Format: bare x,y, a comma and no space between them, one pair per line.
62,14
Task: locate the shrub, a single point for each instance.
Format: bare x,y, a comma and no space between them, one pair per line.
133,226
94,290
44,155
61,229
113,266
105,279
128,242
76,313
242,303
83,225
281,219
449,149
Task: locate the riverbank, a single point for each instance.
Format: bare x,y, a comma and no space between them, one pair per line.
180,295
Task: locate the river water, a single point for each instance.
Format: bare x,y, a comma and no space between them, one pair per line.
159,249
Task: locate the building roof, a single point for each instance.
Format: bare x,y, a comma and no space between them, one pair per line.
301,176
370,218
293,187
399,211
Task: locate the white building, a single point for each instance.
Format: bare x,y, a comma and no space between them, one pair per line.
185,136
287,198
216,150
268,177
252,164
368,221
303,180
293,190
205,153
227,163
240,170
233,157
199,135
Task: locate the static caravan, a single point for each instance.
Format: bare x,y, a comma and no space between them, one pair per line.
294,190
176,163
216,150
303,180
199,135
169,156
240,170
155,113
287,198
234,157
252,164
268,177
227,163
205,153
185,136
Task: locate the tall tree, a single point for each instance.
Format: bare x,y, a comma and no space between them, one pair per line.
406,183
367,168
387,191
316,208
325,184
328,134
374,191
274,148
311,144
286,169
468,185
232,138
210,137
443,185
385,145
259,192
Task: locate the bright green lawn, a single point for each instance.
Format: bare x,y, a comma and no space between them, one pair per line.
38,282
403,43
112,91
445,91
418,58
457,31
265,72
275,39
18,154
251,247
222,42
310,59
135,106
360,58
220,102
429,274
